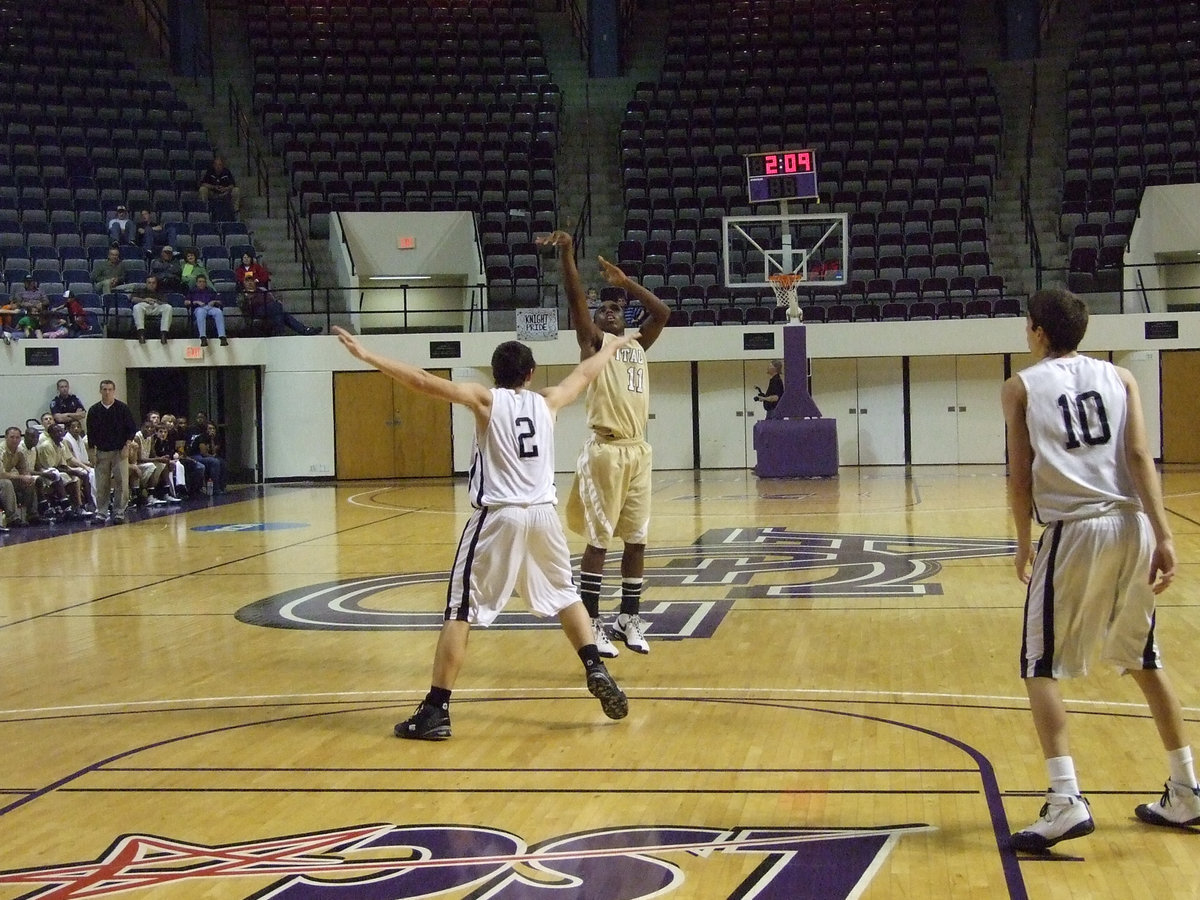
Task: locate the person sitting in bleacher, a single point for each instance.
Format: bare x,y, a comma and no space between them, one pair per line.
167,269
191,269
251,267
205,304
259,303
150,302
121,229
109,274
151,236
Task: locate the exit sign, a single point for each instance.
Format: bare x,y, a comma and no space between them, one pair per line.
193,353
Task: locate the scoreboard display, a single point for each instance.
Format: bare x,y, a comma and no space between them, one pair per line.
782,175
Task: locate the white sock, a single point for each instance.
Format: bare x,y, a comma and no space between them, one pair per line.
1182,770
1062,775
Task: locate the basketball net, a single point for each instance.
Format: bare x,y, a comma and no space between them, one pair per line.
784,285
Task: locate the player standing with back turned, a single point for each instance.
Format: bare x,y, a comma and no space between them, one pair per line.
1078,460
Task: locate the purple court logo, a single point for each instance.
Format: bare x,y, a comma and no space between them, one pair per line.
388,862
723,565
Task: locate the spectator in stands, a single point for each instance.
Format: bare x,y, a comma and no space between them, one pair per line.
205,449
217,183
167,269
191,269
29,325
74,314
259,303
53,322
31,299
121,229
66,407
80,461
10,313
205,304
110,427
109,273
150,302
150,233
251,266
16,469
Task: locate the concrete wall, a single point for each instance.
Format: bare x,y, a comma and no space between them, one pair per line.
298,371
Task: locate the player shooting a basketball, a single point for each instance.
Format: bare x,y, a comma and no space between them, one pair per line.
611,494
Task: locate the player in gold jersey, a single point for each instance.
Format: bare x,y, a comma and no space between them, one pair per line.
611,494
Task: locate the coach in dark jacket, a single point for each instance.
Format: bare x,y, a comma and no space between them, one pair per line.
110,428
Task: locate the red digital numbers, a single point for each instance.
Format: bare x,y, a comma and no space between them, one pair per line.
787,163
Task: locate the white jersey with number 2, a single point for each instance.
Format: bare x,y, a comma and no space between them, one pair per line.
1075,412
513,461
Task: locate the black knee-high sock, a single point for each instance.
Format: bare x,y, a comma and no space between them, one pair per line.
590,584
631,596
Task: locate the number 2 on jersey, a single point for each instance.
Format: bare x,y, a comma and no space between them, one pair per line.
1085,417
527,447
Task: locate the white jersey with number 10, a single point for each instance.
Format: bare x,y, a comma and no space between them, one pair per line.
1075,411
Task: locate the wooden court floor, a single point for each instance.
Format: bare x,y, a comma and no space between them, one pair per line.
200,705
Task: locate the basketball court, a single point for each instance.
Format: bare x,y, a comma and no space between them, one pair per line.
201,704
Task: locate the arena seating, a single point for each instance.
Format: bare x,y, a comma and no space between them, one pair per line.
83,132
387,106
1131,122
907,140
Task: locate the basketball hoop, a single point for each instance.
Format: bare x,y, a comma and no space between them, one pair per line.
784,285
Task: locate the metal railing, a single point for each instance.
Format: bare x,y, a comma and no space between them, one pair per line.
256,159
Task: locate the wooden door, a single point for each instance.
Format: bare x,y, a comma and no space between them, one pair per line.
1180,406
421,433
386,431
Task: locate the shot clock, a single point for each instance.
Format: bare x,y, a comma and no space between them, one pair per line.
781,175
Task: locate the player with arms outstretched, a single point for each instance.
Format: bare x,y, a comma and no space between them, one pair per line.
514,539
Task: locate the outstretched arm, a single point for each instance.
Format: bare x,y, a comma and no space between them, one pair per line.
474,396
1148,487
567,390
657,312
586,331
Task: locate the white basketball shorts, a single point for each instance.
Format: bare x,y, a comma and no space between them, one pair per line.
1090,590
505,549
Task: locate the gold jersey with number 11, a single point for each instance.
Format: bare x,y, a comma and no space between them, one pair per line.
618,401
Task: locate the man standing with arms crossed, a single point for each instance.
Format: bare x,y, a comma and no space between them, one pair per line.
111,429
1078,459
611,494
